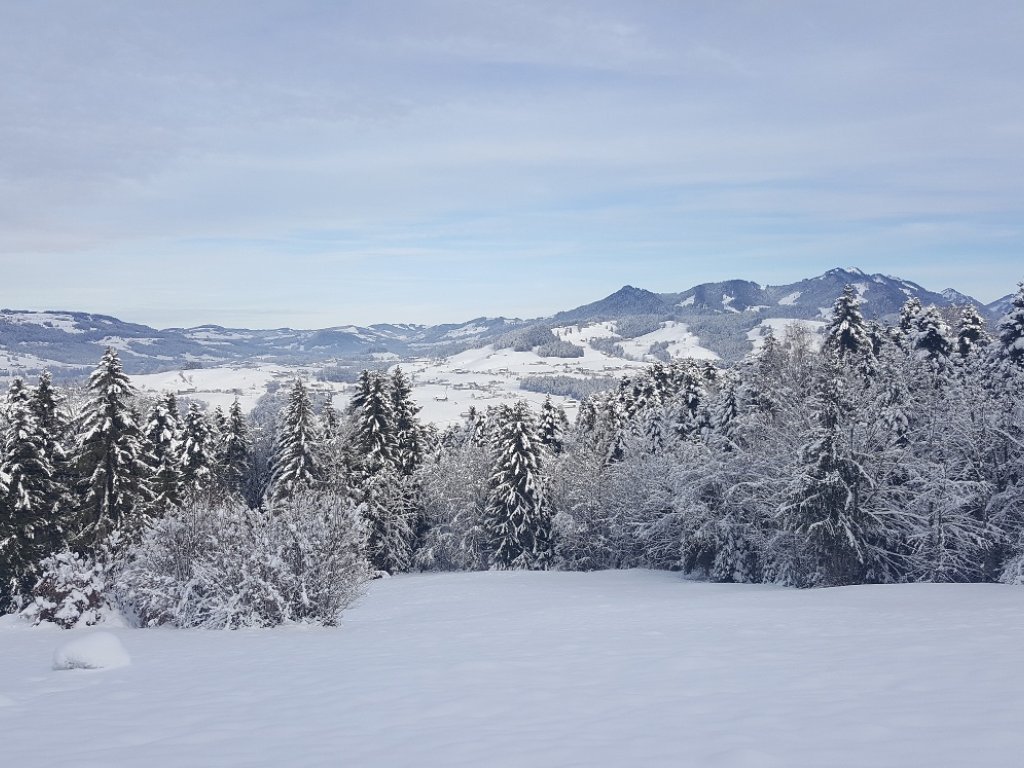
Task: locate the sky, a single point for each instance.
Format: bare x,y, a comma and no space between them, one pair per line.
310,164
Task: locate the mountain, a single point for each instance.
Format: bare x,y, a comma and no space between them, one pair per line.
625,302
723,317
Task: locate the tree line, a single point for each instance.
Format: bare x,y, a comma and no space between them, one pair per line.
892,453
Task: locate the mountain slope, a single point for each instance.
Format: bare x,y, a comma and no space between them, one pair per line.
722,317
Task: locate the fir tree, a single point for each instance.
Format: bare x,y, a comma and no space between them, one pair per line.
516,518
846,335
408,434
297,462
374,436
197,451
553,426
235,447
931,339
29,496
825,505
1011,331
110,458
970,334
163,432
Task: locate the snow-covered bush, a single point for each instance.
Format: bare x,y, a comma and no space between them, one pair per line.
70,591
223,565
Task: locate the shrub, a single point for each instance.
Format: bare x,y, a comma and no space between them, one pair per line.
70,591
223,565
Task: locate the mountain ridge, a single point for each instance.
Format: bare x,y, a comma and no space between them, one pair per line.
724,314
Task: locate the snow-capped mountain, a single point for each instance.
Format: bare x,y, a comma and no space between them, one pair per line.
722,319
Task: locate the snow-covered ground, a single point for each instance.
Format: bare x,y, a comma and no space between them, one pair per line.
548,669
779,325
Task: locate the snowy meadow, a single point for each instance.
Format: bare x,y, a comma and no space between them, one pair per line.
512,668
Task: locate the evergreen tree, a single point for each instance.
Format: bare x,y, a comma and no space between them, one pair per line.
408,433
198,452
235,447
553,426
846,335
906,325
110,458
931,340
297,462
163,433
1011,331
971,335
374,436
516,518
825,504
29,497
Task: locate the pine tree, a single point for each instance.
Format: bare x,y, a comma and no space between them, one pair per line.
516,518
374,434
971,335
408,433
235,447
1011,331
906,325
29,527
846,335
931,339
111,458
824,506
297,462
198,453
553,426
163,433
47,406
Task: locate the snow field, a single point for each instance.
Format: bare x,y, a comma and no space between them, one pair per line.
627,668
92,650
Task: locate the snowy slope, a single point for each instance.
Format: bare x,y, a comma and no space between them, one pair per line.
549,669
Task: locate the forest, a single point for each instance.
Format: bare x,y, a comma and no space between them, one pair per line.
887,453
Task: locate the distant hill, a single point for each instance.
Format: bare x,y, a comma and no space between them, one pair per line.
724,316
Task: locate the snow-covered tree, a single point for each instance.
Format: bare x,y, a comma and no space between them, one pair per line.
198,451
970,334
408,433
372,410
234,450
516,518
846,334
163,433
931,338
553,426
111,458
297,463
1011,330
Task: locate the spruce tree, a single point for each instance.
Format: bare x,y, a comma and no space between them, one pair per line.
824,506
970,334
235,447
931,339
198,453
408,433
297,462
516,518
846,335
110,458
374,436
29,498
553,426
163,433
1011,331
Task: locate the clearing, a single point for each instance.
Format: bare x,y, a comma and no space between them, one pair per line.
548,669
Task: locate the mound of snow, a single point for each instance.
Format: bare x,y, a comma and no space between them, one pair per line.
96,650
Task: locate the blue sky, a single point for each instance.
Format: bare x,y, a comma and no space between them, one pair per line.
321,163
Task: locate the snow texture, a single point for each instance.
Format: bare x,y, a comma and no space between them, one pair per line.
95,650
626,668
